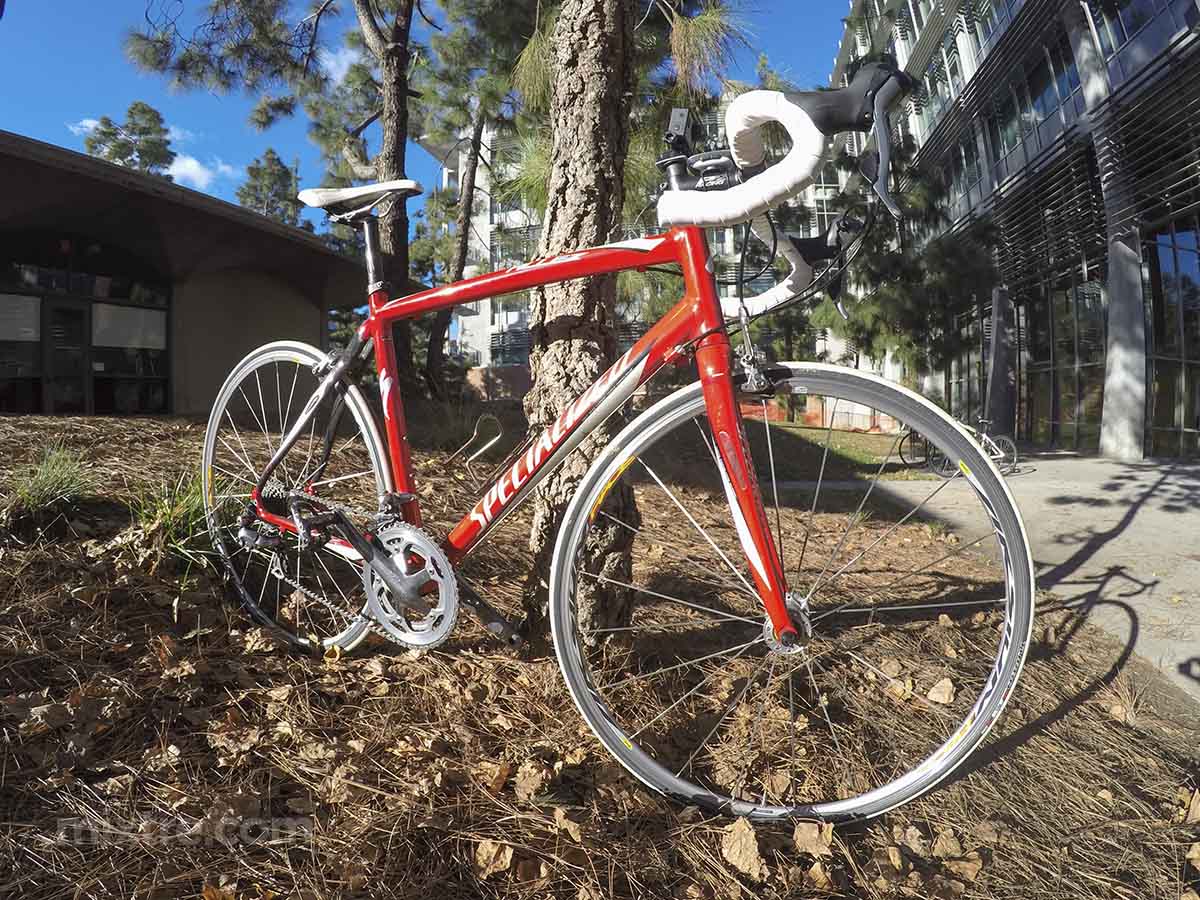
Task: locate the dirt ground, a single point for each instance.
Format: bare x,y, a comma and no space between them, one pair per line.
156,745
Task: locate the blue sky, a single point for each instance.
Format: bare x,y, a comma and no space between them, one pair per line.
62,67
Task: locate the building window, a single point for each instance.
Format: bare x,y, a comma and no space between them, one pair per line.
1173,295
1118,20
83,329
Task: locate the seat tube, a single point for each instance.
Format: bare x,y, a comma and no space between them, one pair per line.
714,361
394,421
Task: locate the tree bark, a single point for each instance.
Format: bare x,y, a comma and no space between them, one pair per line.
573,335
393,224
436,355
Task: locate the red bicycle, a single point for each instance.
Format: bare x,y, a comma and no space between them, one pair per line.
832,656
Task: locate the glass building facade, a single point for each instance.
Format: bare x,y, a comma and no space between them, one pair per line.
1002,109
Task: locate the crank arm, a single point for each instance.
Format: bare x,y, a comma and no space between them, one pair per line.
490,617
380,563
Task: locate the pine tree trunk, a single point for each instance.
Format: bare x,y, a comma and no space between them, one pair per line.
573,335
436,356
393,223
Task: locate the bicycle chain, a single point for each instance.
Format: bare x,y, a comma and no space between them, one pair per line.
275,489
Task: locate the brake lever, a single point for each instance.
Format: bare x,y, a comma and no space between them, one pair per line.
886,94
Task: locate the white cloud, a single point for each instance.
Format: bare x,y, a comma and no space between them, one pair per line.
337,63
180,135
190,171
83,126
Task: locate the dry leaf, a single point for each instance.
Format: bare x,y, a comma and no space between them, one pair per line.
966,868
986,833
493,775
564,823
896,858
813,838
817,878
212,892
532,778
1105,795
1189,894
740,849
1193,856
532,870
891,667
946,846
1193,811
492,857
942,692
912,838
945,621
901,690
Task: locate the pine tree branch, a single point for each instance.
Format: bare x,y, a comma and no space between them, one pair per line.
428,21
312,41
376,42
352,150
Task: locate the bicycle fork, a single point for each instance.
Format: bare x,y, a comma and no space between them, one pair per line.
741,484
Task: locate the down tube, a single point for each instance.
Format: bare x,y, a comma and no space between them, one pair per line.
661,345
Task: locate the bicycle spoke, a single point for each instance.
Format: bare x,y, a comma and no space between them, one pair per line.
817,493
238,456
906,576
656,539
326,481
690,692
631,679
886,534
762,730
821,701
903,608
850,523
641,590
700,529
233,475
857,657
729,707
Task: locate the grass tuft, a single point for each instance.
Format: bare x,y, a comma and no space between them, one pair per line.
57,481
171,517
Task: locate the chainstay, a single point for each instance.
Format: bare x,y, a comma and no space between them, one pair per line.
356,618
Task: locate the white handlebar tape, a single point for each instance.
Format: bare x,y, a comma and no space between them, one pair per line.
797,279
745,116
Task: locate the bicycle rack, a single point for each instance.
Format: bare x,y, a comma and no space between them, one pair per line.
486,417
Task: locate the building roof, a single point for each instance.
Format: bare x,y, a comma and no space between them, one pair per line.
176,229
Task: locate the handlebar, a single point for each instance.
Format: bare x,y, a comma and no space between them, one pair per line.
810,118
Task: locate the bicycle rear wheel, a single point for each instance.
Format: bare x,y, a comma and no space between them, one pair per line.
913,450
1007,450
312,598
688,687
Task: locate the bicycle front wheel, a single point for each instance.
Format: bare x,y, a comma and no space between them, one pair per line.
919,594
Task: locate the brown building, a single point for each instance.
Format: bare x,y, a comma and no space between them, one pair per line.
122,293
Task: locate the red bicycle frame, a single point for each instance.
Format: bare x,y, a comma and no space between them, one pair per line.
695,323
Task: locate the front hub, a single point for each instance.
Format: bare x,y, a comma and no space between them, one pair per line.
790,642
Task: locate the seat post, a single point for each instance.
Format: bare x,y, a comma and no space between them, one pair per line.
375,279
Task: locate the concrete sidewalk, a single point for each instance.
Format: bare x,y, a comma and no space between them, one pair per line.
1120,541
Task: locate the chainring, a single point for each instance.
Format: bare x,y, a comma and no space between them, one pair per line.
421,561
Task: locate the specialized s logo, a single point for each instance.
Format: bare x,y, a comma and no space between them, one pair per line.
604,396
